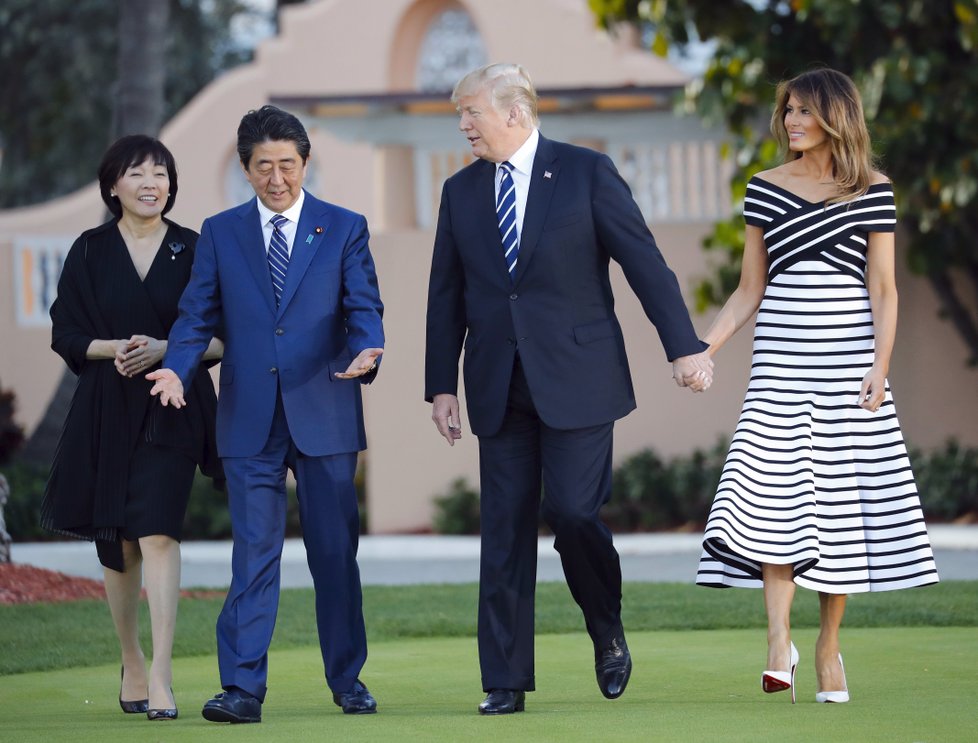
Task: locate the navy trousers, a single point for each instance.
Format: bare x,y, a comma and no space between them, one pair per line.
330,528
574,469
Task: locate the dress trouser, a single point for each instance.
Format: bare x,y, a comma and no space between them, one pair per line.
330,527
574,468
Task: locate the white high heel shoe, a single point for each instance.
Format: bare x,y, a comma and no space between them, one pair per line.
837,697
772,681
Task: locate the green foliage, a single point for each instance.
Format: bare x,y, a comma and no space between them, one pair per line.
11,432
947,480
649,493
457,512
58,87
23,510
916,64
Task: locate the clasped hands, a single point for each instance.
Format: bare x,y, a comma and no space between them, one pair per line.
694,371
138,354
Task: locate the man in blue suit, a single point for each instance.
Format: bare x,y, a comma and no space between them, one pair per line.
519,279
291,282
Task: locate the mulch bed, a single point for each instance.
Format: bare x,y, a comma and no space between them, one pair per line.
25,584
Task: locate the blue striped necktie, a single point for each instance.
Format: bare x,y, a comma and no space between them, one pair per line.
506,215
278,256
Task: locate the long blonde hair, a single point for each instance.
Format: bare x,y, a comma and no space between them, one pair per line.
835,104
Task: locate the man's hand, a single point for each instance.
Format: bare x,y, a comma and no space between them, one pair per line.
365,362
168,386
444,412
694,371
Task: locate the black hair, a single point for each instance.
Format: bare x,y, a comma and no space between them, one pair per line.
126,152
270,124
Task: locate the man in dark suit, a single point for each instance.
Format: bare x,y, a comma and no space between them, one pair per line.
519,277
291,281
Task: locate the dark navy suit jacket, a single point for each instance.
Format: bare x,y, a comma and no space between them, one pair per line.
559,308
329,312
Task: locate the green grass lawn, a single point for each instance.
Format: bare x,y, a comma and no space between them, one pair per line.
910,655
907,684
51,636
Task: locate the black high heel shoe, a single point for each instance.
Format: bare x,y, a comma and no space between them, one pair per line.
169,713
135,707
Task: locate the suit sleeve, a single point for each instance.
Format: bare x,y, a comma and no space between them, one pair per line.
445,326
199,311
622,230
362,307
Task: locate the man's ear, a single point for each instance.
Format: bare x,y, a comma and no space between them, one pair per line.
514,116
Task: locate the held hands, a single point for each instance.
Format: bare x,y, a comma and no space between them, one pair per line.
168,386
138,354
694,371
873,390
444,412
365,362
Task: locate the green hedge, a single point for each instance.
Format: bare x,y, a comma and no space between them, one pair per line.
649,493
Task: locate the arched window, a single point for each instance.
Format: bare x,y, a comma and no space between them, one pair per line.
452,46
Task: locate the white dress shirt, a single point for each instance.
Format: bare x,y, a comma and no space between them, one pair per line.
522,162
291,214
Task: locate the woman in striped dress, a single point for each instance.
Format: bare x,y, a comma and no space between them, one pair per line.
817,490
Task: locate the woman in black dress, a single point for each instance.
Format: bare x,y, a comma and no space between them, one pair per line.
125,465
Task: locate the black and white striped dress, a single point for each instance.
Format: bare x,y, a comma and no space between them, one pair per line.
812,479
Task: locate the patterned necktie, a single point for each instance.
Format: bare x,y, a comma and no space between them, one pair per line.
506,214
278,256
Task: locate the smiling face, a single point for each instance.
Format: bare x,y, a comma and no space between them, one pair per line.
804,131
143,189
276,172
493,135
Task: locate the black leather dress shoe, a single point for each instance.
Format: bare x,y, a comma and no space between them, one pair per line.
356,701
503,702
232,706
613,666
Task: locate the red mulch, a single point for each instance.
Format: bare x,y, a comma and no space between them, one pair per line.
25,584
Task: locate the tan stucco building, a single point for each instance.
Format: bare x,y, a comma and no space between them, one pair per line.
370,80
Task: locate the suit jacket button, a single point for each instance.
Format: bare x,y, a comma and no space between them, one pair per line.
514,296
273,370
279,331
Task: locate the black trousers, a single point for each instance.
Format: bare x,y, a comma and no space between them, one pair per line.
574,468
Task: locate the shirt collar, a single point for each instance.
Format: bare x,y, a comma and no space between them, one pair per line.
292,213
522,159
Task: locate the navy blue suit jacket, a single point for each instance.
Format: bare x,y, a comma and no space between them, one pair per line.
330,311
559,308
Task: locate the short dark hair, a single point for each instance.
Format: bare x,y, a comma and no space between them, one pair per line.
134,149
270,124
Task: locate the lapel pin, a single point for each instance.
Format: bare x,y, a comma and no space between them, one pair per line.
547,174
309,239
319,230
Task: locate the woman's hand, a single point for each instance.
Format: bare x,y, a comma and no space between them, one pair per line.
140,354
873,390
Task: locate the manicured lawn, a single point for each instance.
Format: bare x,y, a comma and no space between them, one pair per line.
907,684
51,636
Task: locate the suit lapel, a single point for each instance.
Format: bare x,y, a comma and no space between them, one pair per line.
248,231
309,235
543,180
